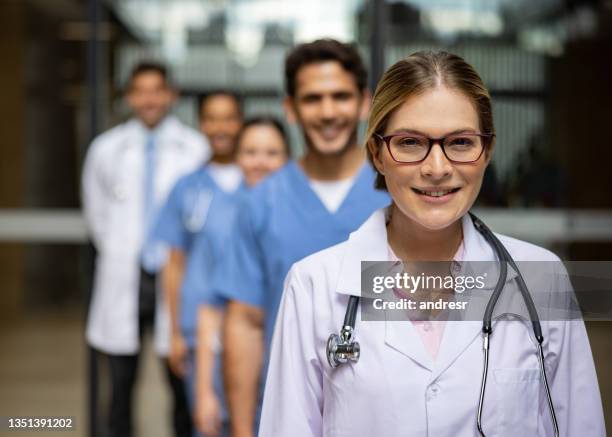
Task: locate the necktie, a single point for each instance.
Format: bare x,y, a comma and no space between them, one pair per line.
149,181
151,255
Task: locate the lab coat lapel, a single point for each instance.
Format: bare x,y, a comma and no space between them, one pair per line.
460,334
369,243
129,166
402,336
167,157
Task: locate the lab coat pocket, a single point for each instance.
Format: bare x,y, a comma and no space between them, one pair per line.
517,397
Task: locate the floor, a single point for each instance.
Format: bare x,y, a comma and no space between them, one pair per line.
43,362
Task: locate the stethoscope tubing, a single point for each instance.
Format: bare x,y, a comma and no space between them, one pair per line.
505,258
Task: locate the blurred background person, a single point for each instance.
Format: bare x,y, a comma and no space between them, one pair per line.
198,205
185,212
262,148
310,204
127,174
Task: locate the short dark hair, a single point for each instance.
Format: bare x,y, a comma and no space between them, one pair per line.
266,120
203,97
323,50
149,67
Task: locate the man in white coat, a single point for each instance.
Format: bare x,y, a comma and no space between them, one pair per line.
128,172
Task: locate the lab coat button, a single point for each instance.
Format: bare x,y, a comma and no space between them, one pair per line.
433,391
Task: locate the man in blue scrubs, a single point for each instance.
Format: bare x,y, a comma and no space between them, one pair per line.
308,205
199,204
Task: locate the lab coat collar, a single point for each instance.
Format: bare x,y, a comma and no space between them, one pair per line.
369,243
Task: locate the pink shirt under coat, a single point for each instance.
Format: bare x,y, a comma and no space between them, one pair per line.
430,331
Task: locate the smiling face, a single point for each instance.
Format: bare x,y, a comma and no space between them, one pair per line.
150,97
261,150
434,193
220,121
328,104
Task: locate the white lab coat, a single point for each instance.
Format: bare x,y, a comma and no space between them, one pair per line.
113,183
396,389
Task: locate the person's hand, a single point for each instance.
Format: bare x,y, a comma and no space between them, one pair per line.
178,355
207,414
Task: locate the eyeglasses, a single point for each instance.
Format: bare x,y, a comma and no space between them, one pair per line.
458,148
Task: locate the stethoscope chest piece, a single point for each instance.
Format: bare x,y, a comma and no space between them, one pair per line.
341,349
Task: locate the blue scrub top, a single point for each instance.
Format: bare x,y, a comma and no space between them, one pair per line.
197,219
207,256
281,221
186,210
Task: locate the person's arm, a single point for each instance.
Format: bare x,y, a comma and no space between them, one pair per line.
573,380
172,276
207,414
574,387
293,398
243,335
242,286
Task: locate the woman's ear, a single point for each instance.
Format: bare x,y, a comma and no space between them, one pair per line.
374,150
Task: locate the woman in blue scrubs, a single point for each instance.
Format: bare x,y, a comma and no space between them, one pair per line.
262,148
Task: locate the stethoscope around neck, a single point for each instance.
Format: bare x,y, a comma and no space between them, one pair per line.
343,348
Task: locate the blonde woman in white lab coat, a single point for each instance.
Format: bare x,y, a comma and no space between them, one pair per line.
422,378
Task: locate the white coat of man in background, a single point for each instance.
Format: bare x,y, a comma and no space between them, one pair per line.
128,172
